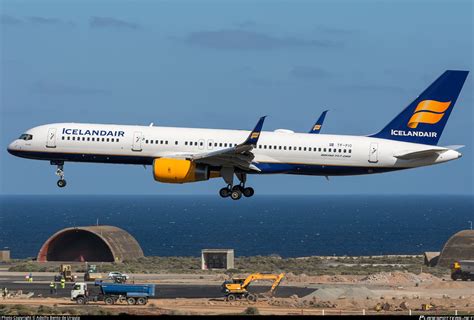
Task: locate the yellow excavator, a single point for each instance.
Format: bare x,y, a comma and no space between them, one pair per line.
236,288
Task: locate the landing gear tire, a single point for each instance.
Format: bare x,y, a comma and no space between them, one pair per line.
61,183
236,194
248,192
224,192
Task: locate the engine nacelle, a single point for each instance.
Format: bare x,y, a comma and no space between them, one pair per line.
170,170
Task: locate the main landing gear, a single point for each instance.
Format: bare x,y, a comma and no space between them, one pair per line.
235,192
60,173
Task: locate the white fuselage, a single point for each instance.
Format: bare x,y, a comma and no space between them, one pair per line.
276,152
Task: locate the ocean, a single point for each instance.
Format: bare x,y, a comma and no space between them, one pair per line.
289,226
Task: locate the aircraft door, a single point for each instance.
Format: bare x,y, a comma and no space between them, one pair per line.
210,144
137,141
51,139
373,153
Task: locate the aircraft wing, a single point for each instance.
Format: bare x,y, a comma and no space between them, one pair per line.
317,126
240,156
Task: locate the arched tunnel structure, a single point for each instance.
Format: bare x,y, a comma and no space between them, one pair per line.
459,247
91,244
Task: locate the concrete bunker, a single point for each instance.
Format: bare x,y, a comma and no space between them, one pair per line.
92,244
217,259
459,247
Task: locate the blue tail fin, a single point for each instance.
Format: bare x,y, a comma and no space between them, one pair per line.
424,119
319,124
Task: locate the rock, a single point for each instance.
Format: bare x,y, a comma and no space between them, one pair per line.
386,306
404,305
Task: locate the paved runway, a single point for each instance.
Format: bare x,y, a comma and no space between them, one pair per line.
164,291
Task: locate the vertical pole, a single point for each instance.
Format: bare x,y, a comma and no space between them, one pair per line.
409,312
455,312
322,312
363,312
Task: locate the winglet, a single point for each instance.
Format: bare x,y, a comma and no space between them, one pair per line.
318,125
255,134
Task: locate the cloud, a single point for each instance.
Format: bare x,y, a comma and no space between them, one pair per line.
308,72
9,20
232,39
246,24
42,87
371,88
335,30
113,23
48,21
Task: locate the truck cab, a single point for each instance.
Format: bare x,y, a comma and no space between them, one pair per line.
79,292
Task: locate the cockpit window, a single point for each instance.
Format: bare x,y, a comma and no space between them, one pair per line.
26,136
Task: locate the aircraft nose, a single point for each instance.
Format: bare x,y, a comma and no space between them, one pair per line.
12,147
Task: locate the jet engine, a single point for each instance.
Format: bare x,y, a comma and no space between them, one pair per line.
179,171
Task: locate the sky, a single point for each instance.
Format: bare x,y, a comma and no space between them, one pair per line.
223,64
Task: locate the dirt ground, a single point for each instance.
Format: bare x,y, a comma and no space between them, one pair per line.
394,292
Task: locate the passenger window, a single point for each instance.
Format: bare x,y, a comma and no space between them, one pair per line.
304,149
146,141
103,139
324,149
166,142
350,151
289,148
176,142
63,137
340,150
107,139
88,138
117,139
279,147
284,147
309,149
220,144
319,149
69,138
215,144
344,150
329,150
264,146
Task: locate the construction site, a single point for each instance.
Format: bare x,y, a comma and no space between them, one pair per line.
104,271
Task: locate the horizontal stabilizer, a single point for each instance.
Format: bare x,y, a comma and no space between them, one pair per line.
410,155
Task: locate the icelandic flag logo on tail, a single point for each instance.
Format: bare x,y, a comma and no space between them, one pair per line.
428,111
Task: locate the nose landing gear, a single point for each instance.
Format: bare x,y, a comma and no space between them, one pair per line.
60,173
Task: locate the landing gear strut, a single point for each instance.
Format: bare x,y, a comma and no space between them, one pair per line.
60,173
235,192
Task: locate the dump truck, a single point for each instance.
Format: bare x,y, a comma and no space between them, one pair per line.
112,293
237,288
91,273
463,269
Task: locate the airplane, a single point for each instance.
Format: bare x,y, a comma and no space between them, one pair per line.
319,123
183,155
